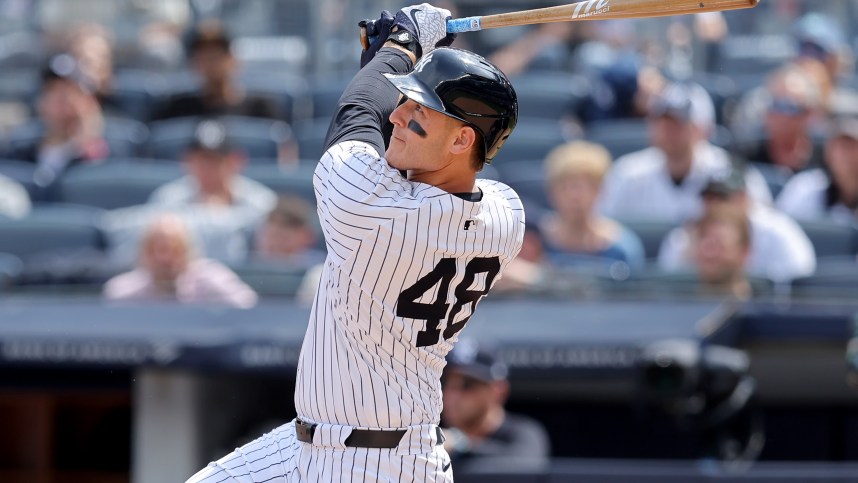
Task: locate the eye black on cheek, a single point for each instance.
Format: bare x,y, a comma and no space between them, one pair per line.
416,128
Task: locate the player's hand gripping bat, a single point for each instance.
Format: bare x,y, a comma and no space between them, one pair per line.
590,10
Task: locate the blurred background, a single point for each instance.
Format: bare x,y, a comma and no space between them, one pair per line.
681,311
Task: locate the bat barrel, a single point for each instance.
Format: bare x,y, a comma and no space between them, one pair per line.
596,10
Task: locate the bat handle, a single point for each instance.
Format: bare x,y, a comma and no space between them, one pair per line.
467,24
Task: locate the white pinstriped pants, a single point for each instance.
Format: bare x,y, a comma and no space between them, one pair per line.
278,457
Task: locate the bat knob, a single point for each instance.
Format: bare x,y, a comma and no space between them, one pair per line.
364,39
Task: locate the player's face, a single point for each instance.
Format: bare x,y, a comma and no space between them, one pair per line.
421,138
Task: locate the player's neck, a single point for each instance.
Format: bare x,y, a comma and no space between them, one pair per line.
450,179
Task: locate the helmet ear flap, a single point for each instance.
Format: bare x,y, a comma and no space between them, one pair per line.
501,139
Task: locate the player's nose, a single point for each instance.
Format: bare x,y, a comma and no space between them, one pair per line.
399,115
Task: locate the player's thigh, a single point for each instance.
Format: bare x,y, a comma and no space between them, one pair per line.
273,458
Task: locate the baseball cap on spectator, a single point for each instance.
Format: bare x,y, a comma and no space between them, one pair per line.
725,184
476,361
66,67
684,101
211,135
819,36
209,33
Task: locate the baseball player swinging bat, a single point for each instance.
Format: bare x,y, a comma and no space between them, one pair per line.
590,10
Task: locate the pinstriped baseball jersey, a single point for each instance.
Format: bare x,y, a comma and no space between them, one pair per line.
407,264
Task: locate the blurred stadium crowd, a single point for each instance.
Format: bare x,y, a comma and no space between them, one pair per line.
165,149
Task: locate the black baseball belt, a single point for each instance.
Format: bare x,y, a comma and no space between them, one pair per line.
361,438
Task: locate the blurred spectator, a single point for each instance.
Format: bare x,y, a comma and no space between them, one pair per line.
574,172
70,122
219,206
779,250
288,234
475,389
214,165
821,39
14,200
720,247
212,59
663,182
90,44
785,108
168,269
830,192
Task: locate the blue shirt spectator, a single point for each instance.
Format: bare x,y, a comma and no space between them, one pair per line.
575,232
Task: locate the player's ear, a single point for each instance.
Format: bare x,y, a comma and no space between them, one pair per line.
465,138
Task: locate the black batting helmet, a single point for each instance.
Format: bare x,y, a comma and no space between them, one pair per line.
467,87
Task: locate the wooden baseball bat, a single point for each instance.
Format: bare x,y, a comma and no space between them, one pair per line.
596,10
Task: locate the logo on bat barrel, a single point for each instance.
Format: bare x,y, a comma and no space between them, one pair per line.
590,8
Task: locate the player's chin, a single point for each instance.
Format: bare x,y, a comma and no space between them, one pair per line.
394,157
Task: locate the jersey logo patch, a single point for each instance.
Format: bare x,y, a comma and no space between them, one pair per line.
469,224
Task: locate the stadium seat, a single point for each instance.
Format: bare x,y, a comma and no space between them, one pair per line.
831,239
532,138
527,178
310,135
52,230
82,260
326,93
619,136
124,137
114,184
550,94
289,93
10,269
19,84
650,232
296,180
259,138
834,277
488,172
271,279
22,172
755,54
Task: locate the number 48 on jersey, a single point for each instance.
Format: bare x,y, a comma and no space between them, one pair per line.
443,273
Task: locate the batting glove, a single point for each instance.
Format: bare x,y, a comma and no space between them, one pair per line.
377,32
428,24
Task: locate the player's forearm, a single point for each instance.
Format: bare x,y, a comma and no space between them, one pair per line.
368,101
